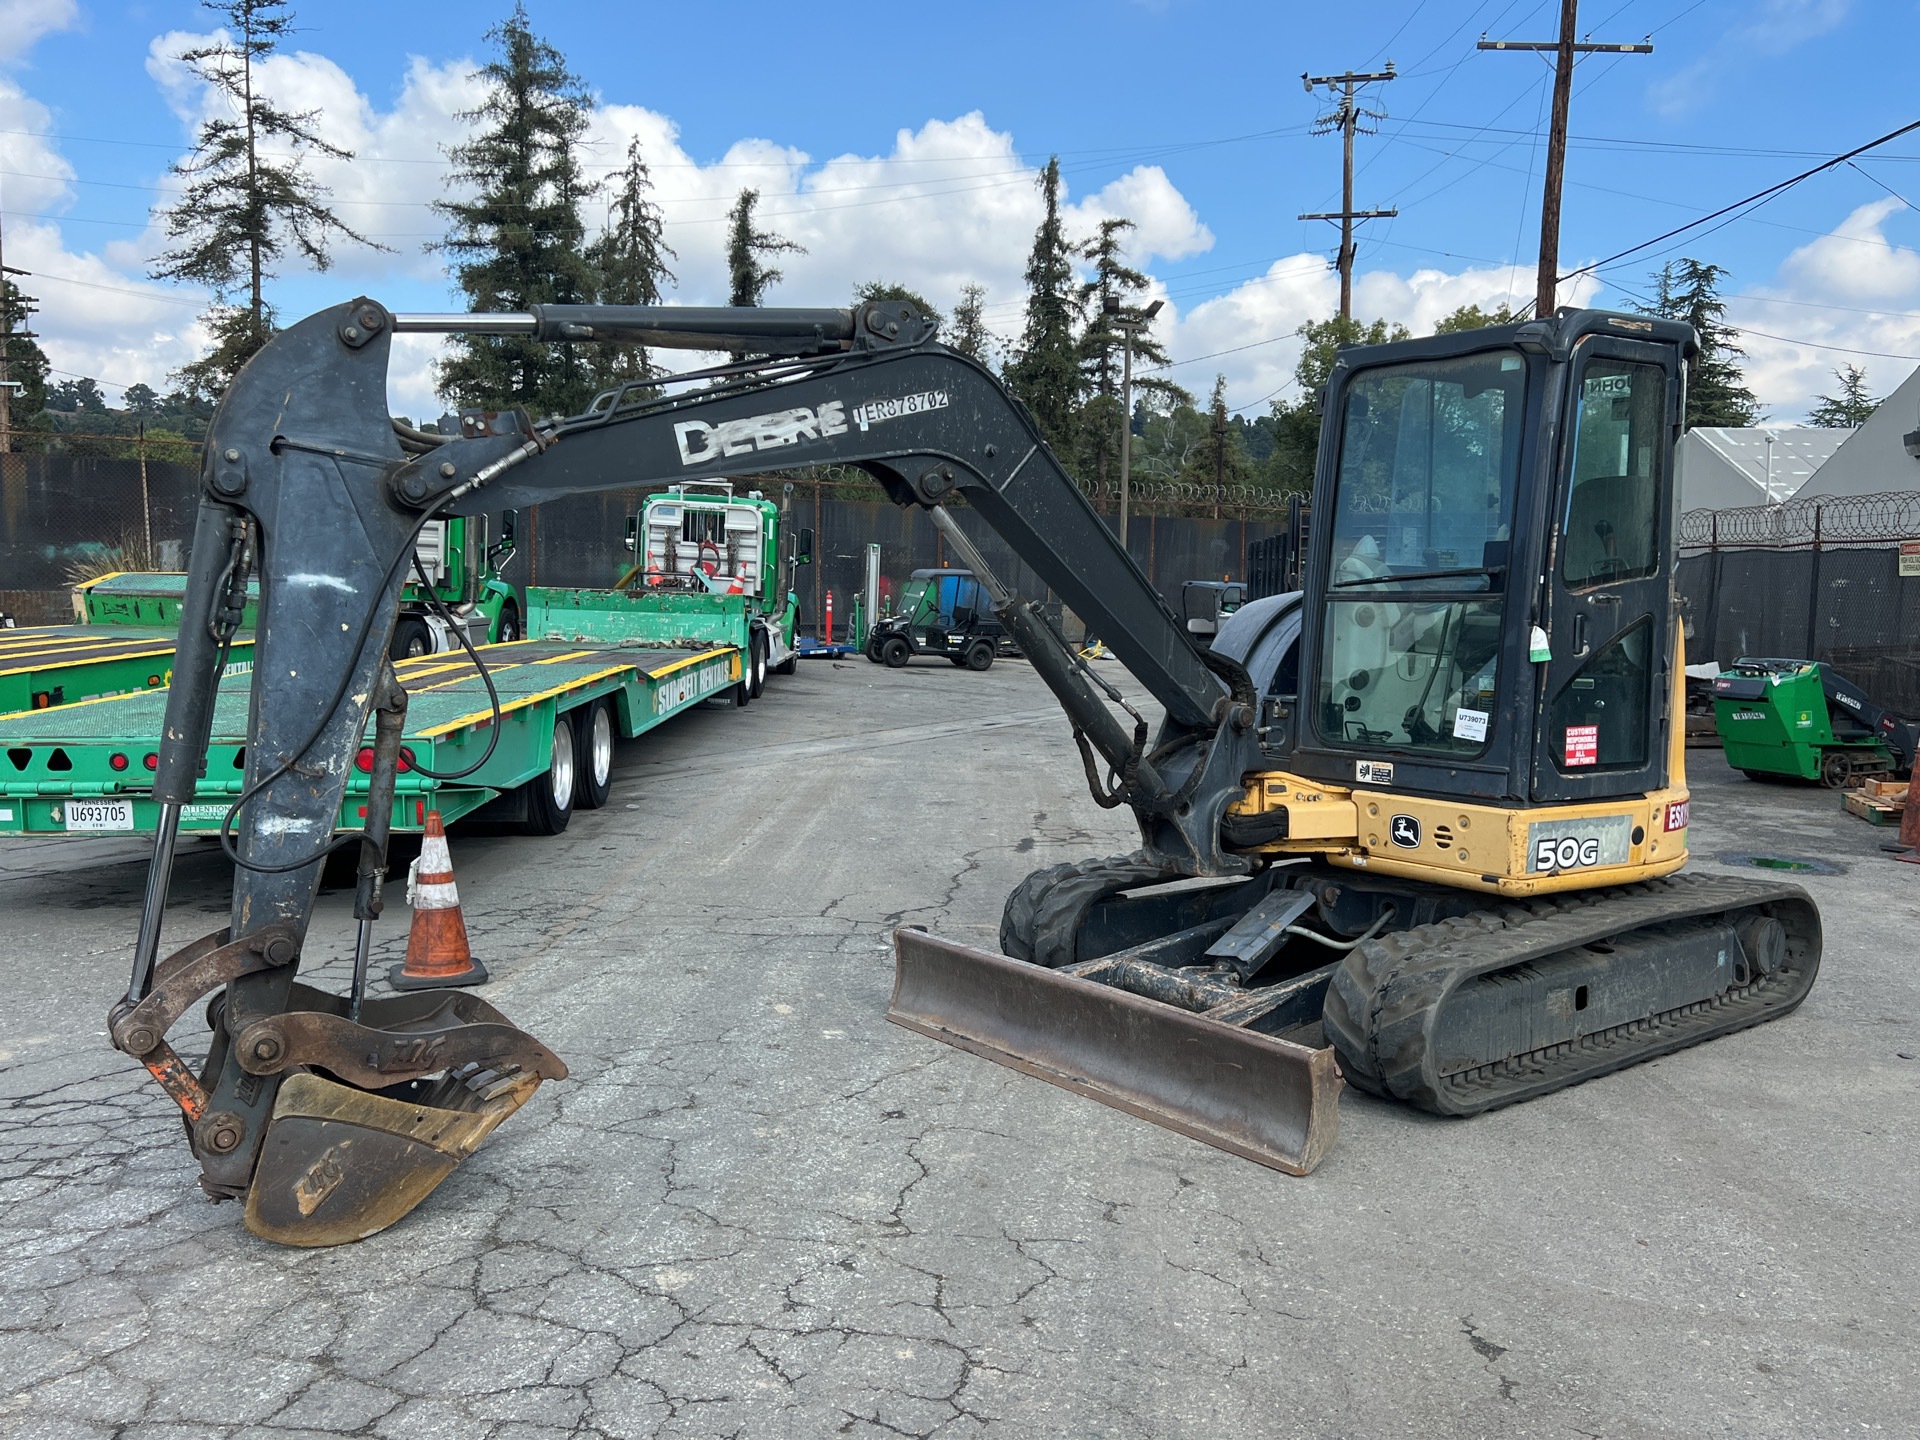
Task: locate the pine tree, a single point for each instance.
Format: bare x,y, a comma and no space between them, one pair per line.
630,259
969,334
1045,372
242,207
1716,395
520,241
1103,301
1851,407
1221,466
749,276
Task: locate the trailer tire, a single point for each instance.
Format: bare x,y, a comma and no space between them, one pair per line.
411,637
550,796
594,736
979,656
895,652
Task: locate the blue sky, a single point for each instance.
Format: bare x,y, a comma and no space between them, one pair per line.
899,142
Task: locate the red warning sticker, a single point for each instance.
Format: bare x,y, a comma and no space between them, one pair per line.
1583,745
1678,814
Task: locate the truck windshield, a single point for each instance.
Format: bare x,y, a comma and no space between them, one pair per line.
1422,518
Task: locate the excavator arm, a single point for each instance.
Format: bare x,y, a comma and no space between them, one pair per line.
309,484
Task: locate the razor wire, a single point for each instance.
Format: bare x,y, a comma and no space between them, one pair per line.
1810,522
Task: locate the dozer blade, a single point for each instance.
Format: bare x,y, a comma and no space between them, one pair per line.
1267,1099
340,1163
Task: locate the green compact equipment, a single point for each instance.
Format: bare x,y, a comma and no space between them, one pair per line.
1798,719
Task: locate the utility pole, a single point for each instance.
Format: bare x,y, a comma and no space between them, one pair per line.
1563,50
1346,117
1129,323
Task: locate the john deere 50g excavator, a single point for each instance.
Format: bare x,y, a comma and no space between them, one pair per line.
1415,826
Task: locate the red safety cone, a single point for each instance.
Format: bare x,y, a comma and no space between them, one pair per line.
437,951
739,586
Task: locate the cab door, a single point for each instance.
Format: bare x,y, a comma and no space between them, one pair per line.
1606,604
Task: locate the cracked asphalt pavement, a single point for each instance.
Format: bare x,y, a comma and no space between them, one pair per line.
756,1209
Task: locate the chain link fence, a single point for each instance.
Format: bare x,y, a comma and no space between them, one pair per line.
1812,579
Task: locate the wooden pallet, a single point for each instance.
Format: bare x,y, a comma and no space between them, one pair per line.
1884,808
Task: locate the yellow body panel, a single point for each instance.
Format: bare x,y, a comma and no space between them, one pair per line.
1479,847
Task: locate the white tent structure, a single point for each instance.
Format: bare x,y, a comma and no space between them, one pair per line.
1875,459
1726,468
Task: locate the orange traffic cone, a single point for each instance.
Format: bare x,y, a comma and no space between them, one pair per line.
437,953
739,585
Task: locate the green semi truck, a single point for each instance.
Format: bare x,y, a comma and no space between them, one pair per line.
708,566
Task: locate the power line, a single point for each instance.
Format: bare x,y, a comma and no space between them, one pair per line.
1759,197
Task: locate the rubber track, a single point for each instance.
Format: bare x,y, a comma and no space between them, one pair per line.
1383,1002
1042,917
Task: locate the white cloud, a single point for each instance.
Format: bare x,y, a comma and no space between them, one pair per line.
94,318
1854,289
24,22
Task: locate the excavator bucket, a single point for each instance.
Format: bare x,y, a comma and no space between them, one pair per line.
340,1163
1258,1096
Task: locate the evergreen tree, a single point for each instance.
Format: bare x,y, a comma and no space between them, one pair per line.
1716,395
748,274
26,362
1221,465
1850,407
1045,371
1296,419
1103,301
80,396
520,241
243,208
630,258
875,290
141,402
969,334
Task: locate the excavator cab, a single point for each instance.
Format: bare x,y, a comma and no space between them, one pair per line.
1492,580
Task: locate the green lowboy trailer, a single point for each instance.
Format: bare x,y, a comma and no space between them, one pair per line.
87,767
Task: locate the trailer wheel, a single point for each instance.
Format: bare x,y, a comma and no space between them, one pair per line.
593,743
743,692
410,638
895,651
1835,769
980,656
550,796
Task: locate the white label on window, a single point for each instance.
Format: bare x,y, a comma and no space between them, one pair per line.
1469,724
99,815
1372,772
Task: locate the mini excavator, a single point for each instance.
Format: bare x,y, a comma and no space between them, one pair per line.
1415,829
